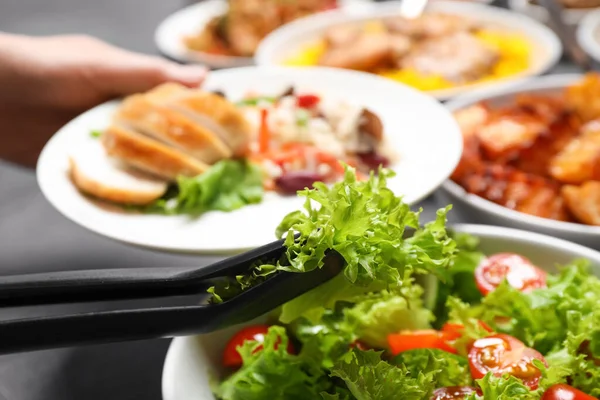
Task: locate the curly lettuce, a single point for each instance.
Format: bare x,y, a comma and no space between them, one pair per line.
225,186
270,372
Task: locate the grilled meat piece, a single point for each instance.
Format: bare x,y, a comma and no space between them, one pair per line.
370,51
431,25
459,58
517,190
579,161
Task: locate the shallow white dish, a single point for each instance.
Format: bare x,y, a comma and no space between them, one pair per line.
572,16
190,20
588,34
475,208
420,130
191,360
546,47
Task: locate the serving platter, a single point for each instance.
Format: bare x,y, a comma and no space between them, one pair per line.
545,47
420,130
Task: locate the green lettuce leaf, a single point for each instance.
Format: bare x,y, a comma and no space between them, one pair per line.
461,281
503,388
447,369
327,340
368,377
580,356
226,186
272,373
365,223
375,315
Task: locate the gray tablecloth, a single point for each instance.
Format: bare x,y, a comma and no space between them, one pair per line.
34,237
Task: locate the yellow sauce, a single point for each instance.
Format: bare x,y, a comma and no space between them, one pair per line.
514,52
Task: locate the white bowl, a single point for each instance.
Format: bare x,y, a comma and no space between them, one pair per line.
572,16
191,361
588,34
546,47
475,208
190,20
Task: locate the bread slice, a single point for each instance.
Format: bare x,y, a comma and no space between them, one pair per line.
149,155
94,173
216,114
147,114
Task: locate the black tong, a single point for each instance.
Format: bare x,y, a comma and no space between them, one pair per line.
146,323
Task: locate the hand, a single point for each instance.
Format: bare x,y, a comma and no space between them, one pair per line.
46,81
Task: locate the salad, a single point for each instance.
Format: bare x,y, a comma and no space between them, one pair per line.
175,150
418,313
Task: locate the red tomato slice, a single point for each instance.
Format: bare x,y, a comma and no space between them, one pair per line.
503,354
422,339
455,331
231,356
307,100
453,393
565,392
517,270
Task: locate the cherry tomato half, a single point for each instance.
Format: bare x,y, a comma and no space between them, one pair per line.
231,356
453,393
565,392
503,354
517,270
422,339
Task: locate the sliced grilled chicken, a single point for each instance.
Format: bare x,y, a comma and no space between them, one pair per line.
155,119
94,173
149,155
217,115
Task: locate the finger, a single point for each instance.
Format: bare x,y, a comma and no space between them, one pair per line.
137,73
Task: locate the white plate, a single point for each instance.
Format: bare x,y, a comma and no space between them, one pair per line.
420,130
588,34
192,360
477,208
191,20
546,47
572,16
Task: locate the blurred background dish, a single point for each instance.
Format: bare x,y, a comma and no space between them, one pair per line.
588,34
412,122
454,47
575,10
530,158
192,363
225,33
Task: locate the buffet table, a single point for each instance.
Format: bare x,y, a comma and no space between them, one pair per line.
35,238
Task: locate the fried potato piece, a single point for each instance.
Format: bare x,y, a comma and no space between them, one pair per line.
584,201
583,97
579,161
